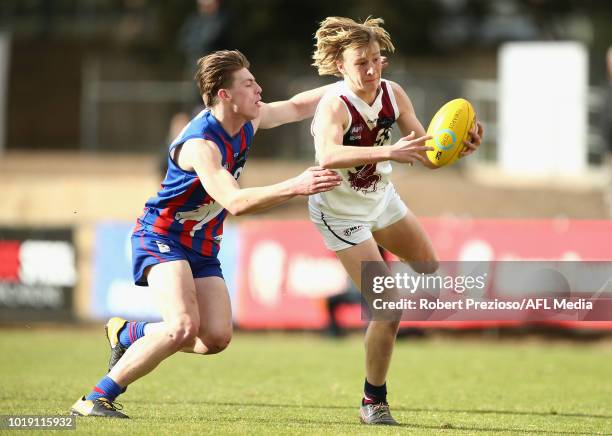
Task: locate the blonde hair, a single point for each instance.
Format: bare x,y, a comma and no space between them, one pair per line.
215,72
336,34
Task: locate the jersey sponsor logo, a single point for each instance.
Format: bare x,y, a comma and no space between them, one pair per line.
351,230
365,179
163,248
385,122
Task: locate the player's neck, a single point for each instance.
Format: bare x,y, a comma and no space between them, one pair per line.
368,97
230,122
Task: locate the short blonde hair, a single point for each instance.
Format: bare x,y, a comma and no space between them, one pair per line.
336,34
215,72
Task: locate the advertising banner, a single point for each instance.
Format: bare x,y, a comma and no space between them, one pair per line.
287,275
520,240
114,291
37,274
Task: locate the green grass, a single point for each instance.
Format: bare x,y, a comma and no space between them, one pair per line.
302,384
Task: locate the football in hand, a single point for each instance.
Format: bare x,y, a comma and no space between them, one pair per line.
449,127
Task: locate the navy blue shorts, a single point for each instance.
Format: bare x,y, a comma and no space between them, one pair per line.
150,248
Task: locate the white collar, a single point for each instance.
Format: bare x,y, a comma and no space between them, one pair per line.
370,112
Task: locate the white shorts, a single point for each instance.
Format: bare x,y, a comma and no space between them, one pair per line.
340,234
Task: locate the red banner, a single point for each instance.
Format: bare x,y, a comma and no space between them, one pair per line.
9,261
505,240
285,274
285,271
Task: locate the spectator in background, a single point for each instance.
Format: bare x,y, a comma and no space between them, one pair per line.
200,34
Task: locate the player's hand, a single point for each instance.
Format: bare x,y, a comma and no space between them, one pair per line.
410,149
476,134
315,180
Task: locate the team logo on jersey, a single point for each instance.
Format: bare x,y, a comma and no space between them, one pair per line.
202,214
218,239
365,179
163,248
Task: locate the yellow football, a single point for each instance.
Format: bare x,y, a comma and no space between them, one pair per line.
449,127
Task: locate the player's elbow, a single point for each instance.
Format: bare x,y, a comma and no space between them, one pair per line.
239,211
328,161
299,111
237,207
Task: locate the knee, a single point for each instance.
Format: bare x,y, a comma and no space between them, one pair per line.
217,342
387,329
426,266
183,332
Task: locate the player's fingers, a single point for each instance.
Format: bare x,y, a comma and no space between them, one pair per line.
421,139
469,145
475,137
481,129
330,173
421,148
409,137
320,171
328,179
323,187
328,184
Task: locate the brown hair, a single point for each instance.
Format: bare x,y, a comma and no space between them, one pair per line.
336,34
215,72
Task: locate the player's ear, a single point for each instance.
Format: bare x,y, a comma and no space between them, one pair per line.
340,65
223,94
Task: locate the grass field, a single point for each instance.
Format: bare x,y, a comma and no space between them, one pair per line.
302,384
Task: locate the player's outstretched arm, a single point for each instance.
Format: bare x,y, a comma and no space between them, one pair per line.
328,128
205,159
408,121
297,108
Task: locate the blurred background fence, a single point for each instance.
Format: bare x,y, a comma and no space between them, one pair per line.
91,91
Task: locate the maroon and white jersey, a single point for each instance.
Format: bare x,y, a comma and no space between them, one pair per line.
363,189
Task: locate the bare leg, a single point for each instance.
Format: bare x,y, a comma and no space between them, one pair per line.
380,335
174,282
215,332
407,239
